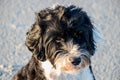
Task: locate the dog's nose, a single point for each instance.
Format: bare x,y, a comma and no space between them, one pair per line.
75,60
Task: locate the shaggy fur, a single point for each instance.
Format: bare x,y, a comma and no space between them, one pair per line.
63,36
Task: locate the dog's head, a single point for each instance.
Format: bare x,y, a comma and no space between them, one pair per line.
64,36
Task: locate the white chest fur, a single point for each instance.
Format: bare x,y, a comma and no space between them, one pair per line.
53,74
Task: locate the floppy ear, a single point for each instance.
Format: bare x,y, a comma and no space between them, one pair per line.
91,42
34,42
89,35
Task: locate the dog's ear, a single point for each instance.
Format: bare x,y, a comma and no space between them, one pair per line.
86,22
34,42
89,35
90,40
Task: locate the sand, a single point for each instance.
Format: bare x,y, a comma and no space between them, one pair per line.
16,17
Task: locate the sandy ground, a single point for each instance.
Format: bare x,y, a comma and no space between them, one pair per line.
16,17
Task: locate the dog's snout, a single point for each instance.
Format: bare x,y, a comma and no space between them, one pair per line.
75,60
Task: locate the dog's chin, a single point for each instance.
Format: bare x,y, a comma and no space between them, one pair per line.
71,69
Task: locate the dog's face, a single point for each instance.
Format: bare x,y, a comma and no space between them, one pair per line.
63,36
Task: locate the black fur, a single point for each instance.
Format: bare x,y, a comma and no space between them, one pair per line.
52,28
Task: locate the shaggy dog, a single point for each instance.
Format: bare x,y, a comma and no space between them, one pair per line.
61,40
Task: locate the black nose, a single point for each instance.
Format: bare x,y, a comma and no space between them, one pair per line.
75,61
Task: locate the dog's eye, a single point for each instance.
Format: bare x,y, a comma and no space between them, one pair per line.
59,39
77,34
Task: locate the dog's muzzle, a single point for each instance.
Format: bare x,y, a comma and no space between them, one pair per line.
72,63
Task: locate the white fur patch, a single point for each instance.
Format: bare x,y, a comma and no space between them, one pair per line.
47,66
53,74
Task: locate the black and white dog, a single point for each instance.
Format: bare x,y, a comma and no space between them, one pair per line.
62,43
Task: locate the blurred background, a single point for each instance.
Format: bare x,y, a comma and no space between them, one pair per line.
16,17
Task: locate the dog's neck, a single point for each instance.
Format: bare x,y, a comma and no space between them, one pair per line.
53,74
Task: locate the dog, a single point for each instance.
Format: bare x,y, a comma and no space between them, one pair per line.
62,43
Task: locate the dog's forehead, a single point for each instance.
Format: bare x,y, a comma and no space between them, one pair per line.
67,28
